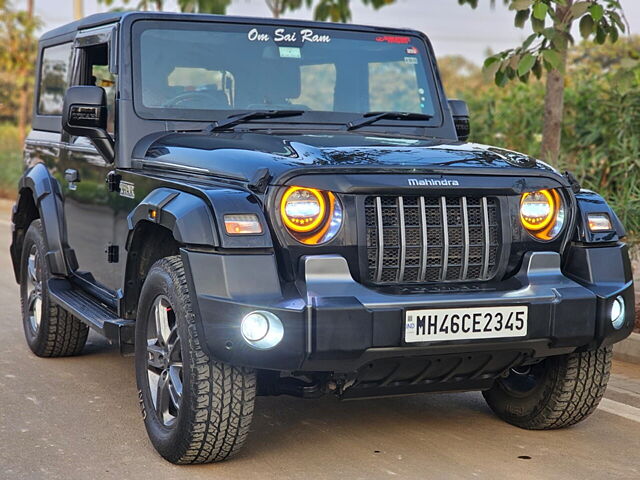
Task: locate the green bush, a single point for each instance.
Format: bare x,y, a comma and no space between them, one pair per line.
11,164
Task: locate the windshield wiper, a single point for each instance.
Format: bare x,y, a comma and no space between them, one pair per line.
234,120
372,117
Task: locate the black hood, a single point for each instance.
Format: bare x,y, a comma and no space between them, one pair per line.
240,154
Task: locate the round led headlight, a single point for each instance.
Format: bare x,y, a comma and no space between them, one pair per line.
303,209
542,213
310,215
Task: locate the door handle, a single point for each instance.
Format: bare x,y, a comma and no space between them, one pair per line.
72,176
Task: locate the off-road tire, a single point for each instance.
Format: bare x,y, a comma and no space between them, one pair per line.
59,333
569,389
217,400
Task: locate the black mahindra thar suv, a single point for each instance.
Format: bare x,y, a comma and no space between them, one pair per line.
264,207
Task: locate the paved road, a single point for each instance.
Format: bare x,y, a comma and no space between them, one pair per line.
77,418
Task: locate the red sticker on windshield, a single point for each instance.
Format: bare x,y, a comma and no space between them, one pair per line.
392,39
412,51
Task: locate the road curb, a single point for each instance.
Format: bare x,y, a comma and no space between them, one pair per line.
628,350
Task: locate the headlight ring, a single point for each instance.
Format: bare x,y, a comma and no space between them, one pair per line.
311,216
542,213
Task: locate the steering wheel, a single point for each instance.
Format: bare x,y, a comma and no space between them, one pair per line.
191,99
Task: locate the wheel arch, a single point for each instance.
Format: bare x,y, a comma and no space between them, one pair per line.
148,242
168,220
39,196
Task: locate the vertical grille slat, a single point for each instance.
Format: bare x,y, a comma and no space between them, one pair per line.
445,237
380,239
421,239
487,231
425,245
403,240
465,229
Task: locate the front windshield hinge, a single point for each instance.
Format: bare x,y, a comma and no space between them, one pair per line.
573,182
260,181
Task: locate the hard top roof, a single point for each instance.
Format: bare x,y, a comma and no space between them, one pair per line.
113,17
86,22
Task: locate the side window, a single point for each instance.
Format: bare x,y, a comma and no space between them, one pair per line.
53,79
96,72
393,86
317,86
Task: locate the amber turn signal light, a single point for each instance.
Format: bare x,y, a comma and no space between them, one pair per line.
242,224
599,222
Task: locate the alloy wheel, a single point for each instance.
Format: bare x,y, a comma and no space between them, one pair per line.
34,289
164,361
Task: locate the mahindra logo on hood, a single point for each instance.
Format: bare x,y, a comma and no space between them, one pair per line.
432,182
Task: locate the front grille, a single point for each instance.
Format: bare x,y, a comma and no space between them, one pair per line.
415,239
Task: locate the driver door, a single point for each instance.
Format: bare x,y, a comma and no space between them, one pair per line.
89,206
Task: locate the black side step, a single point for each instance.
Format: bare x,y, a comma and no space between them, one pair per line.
98,316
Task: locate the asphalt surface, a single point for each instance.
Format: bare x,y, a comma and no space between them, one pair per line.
78,418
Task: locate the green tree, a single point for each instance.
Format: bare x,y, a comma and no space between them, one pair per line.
600,137
280,7
204,6
145,5
17,56
547,47
333,10
340,10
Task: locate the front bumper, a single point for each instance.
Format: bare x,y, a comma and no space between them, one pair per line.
334,324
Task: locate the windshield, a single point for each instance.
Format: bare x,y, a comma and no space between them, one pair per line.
207,71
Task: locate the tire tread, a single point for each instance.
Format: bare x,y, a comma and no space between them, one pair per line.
64,335
571,394
223,395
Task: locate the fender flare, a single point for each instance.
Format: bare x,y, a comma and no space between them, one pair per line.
187,216
48,199
199,220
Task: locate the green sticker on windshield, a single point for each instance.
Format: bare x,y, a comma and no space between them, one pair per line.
290,52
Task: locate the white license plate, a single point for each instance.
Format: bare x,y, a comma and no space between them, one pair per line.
465,323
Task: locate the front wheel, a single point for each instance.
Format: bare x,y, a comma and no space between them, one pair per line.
196,410
555,393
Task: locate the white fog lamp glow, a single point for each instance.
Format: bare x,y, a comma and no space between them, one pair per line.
617,313
261,329
542,213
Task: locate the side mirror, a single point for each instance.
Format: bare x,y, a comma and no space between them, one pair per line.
85,115
460,113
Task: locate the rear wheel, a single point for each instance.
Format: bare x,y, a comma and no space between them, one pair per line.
49,330
555,393
196,410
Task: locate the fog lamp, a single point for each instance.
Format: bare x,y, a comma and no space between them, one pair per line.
262,330
617,313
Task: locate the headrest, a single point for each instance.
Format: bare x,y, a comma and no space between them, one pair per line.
284,79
